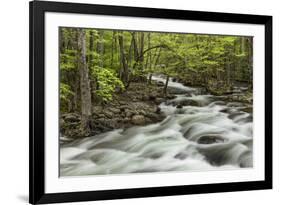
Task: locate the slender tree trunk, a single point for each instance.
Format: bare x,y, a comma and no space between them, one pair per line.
166,84
100,48
112,49
243,50
125,69
250,59
136,51
150,78
84,83
62,40
157,58
141,47
93,80
130,53
228,74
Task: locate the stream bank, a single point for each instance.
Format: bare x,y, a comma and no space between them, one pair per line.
138,106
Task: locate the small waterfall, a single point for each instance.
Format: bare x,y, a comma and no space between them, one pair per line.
203,133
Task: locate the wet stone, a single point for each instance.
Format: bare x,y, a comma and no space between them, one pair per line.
210,139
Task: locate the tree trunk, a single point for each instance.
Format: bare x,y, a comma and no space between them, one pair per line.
125,69
112,49
150,78
228,73
136,51
141,57
100,48
166,84
84,83
93,80
250,59
148,60
157,58
91,48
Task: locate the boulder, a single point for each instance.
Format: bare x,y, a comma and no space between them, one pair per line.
158,110
179,106
170,97
138,120
210,139
159,100
188,102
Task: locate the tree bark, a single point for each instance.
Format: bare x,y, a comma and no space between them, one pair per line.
84,83
100,48
166,84
136,51
141,56
112,49
125,69
250,59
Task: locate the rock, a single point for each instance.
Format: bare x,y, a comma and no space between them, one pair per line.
99,115
159,100
188,95
128,113
141,112
181,155
176,91
145,98
244,88
152,97
189,102
248,109
138,120
235,114
234,104
123,103
217,103
123,107
159,83
114,110
97,109
170,97
155,117
71,117
158,110
179,106
108,114
210,139
61,121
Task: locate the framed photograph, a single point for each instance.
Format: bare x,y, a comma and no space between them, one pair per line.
130,102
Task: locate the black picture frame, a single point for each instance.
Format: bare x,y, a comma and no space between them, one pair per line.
37,194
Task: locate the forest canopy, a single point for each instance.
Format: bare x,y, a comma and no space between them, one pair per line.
98,64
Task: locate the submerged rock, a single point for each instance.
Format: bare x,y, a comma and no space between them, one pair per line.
210,139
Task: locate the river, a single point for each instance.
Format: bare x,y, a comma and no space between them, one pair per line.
213,134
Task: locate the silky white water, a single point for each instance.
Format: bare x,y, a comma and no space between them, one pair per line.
214,135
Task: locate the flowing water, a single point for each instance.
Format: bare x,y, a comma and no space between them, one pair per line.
210,135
